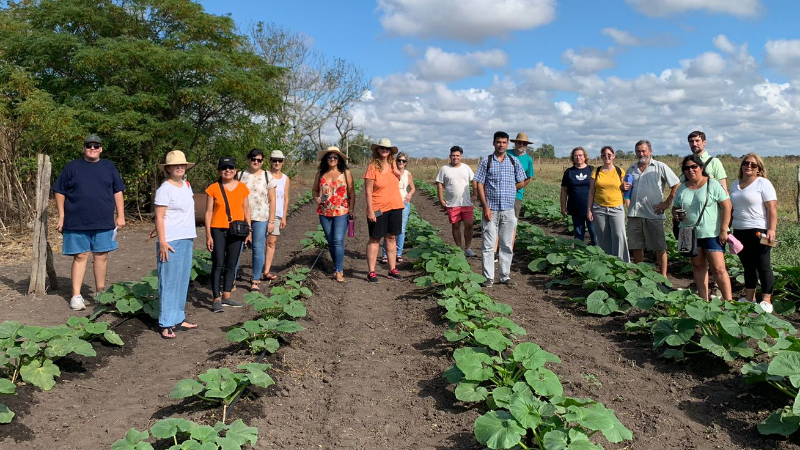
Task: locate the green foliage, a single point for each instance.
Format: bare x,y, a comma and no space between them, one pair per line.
185,434
301,201
201,264
130,298
315,239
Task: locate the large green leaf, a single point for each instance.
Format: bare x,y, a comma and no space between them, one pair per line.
492,338
600,303
525,408
112,337
134,440
167,428
673,331
786,364
716,346
41,375
240,433
453,374
9,329
7,387
471,391
783,422
474,363
531,356
498,430
237,334
186,388
204,433
544,382
561,439
703,311
6,415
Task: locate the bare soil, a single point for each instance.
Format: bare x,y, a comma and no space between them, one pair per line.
366,372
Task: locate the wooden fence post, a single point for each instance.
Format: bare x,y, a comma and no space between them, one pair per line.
42,264
798,193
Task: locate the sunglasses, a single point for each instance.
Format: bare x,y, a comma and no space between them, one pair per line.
275,161
384,148
227,168
750,164
692,167
258,160
333,157
93,146
402,161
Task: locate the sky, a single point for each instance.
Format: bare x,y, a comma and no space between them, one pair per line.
567,72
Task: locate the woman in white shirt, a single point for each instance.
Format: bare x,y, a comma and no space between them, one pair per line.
755,216
174,207
276,160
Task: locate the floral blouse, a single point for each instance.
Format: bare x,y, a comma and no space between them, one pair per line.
334,197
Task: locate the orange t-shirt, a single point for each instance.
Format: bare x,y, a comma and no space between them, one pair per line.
236,199
385,191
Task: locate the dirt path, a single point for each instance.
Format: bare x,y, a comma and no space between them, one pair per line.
698,404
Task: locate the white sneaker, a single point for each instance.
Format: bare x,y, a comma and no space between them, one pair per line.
767,307
76,303
469,253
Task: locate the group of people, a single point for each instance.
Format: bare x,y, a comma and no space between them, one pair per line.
623,212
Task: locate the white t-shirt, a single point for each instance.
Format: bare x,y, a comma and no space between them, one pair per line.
280,192
749,210
179,219
455,181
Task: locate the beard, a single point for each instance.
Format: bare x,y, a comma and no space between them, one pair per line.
644,160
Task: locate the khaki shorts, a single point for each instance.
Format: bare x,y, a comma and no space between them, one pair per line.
646,234
276,231
517,207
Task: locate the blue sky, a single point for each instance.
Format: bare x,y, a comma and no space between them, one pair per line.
569,73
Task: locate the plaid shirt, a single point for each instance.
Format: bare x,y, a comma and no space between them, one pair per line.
500,184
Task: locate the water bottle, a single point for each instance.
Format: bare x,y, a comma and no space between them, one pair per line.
351,226
627,194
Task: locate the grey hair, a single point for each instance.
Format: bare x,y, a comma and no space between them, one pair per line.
644,142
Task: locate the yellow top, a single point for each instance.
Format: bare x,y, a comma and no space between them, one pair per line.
607,191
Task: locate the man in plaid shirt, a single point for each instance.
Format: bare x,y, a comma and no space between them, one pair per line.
498,179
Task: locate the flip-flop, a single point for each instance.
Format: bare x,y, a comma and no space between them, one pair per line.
170,333
182,327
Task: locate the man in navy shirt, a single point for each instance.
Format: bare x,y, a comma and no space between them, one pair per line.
87,192
497,180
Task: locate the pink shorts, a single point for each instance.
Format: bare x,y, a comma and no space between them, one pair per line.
458,213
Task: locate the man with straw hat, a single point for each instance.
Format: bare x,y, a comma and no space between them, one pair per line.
520,154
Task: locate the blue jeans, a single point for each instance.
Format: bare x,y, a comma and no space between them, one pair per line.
581,225
335,229
259,241
173,282
401,238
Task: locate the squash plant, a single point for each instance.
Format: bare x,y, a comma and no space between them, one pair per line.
181,433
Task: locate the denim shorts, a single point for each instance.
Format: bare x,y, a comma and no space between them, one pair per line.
95,241
710,244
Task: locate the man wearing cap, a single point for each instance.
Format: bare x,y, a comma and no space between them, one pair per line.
520,153
87,192
498,179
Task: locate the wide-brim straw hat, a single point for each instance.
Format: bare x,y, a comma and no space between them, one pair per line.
175,158
522,137
384,142
332,149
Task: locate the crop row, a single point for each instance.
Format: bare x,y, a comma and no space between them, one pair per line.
680,322
525,399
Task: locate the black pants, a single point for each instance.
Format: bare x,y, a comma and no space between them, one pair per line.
756,260
223,260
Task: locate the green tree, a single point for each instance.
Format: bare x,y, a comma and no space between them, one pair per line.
545,151
147,75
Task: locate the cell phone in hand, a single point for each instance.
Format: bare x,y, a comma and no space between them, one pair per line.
378,213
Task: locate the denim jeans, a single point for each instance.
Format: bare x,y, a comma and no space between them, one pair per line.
173,282
401,238
503,224
259,242
335,229
581,225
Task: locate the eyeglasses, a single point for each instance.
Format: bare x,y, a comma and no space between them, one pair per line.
692,167
228,168
333,157
93,146
402,161
276,161
750,164
258,160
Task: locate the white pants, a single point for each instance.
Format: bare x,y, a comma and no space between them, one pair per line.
503,224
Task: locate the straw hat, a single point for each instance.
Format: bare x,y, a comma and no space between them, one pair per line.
174,158
522,137
332,149
384,142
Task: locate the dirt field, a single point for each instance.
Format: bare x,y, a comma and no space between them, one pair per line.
365,374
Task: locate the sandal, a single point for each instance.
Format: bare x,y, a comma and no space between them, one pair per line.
339,277
167,333
269,276
186,326
254,285
384,260
400,260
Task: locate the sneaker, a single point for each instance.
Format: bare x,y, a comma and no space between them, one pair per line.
232,303
496,260
372,277
743,300
395,274
217,307
469,253
508,282
76,303
487,284
766,306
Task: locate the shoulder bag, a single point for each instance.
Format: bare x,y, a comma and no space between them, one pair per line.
687,237
236,228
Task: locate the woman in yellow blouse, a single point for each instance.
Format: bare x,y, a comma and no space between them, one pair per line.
606,210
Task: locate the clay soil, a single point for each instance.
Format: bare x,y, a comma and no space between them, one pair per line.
366,372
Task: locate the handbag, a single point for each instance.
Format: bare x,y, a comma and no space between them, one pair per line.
687,237
236,228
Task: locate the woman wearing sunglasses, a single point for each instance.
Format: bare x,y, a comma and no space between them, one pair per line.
334,193
706,206
407,190
276,160
262,210
755,216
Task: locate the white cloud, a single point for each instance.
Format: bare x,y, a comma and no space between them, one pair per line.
661,8
438,65
784,55
588,60
707,64
622,37
465,20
